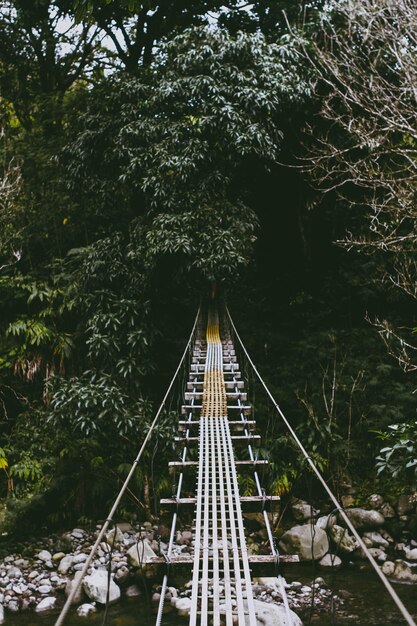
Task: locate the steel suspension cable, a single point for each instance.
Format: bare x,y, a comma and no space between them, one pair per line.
116,503
408,618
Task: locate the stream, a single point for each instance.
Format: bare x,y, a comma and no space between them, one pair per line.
367,604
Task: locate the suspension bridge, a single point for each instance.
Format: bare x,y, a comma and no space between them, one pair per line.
217,430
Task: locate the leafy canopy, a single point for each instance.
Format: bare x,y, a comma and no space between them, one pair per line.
186,139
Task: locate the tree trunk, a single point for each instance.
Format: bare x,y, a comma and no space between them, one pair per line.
147,498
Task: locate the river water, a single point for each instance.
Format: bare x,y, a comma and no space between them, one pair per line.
368,605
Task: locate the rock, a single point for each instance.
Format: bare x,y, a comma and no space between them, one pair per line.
79,558
95,586
267,581
387,510
183,606
309,542
377,539
330,560
404,572
302,511
125,527
58,556
375,501
376,553
122,574
347,500
326,521
164,532
44,555
65,564
1,614
114,537
268,614
406,504
363,519
133,591
46,604
140,553
359,554
13,606
86,609
14,572
186,538
254,520
78,567
44,589
410,555
70,585
342,540
388,568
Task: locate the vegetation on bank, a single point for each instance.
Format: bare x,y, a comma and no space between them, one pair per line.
148,151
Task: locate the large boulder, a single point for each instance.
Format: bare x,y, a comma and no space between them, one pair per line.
140,553
309,542
268,614
342,541
362,519
95,586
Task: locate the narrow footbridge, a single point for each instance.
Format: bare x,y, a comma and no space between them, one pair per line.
216,409
217,440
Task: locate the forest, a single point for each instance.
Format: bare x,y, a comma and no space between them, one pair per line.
151,148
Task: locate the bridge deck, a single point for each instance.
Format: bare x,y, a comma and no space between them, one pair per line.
222,588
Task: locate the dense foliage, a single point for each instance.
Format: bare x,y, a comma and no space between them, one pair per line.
147,151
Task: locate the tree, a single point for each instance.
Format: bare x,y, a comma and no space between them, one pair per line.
366,67
135,27
41,57
184,140
365,60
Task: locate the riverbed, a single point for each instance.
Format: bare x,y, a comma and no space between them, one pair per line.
366,603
